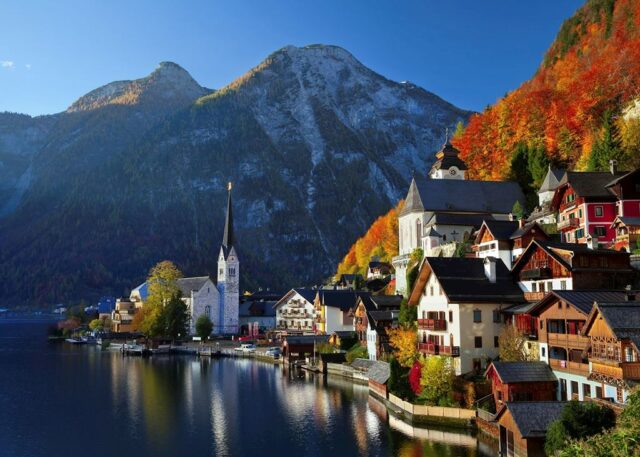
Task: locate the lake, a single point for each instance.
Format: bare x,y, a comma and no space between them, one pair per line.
62,400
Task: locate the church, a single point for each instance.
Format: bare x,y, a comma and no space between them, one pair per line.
218,299
444,208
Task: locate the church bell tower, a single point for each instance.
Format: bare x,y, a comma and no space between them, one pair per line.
228,278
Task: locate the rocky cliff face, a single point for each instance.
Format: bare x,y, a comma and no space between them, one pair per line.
317,146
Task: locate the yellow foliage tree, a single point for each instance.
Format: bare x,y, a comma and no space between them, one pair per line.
163,285
404,342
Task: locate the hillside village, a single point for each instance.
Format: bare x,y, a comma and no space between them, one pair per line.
470,276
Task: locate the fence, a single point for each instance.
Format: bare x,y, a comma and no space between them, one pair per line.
433,411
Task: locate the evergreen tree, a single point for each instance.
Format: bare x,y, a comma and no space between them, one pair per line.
520,172
606,146
408,314
175,317
538,165
204,326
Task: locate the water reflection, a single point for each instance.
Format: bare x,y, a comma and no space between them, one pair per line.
177,406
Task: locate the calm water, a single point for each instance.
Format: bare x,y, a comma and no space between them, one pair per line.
63,400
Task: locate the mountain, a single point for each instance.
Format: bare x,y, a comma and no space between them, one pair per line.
579,107
316,144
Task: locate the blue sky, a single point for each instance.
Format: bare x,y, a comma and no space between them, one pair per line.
468,52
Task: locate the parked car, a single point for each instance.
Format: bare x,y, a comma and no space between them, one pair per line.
273,352
249,347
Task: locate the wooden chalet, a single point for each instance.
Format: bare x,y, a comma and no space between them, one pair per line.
506,240
521,381
627,231
523,427
561,316
613,330
547,265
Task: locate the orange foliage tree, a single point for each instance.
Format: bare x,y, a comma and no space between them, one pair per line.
593,67
381,240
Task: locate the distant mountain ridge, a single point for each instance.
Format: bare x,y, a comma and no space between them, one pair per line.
317,146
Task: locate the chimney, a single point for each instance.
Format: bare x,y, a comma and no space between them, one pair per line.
511,217
490,269
521,223
630,295
589,241
613,166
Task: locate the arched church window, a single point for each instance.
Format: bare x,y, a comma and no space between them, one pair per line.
207,311
418,232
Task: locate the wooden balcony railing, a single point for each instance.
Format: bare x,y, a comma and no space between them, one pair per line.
567,340
568,365
536,273
534,296
432,324
570,222
618,370
436,349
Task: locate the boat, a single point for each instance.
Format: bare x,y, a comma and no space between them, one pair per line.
75,341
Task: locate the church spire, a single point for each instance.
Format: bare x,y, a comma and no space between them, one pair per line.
227,239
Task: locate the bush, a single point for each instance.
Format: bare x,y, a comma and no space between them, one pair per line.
578,420
357,352
398,383
204,326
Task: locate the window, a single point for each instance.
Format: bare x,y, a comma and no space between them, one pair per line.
574,388
559,305
580,213
496,341
418,231
563,285
534,287
579,233
431,291
543,353
598,392
477,316
221,271
232,272
619,395
450,316
496,316
477,341
599,231
586,390
541,324
599,211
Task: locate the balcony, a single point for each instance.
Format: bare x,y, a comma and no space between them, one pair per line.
543,272
534,296
568,365
614,369
567,340
570,222
432,324
436,349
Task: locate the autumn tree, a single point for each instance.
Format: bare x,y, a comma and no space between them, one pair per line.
404,342
163,286
513,345
436,380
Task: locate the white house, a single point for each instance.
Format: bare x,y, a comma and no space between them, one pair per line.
506,240
295,311
334,309
445,208
459,308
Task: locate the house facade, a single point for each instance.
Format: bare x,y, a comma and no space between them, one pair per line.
295,311
460,303
613,330
586,206
506,240
521,381
334,309
445,208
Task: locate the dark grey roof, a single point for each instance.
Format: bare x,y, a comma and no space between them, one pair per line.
432,232
445,218
378,264
552,179
464,281
534,417
623,318
514,372
523,308
448,157
306,293
620,178
591,184
362,364
501,230
379,316
583,299
462,195
343,299
386,301
628,220
263,308
413,202
306,339
187,285
379,372
521,231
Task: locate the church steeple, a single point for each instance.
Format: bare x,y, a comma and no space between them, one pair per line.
448,164
227,239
